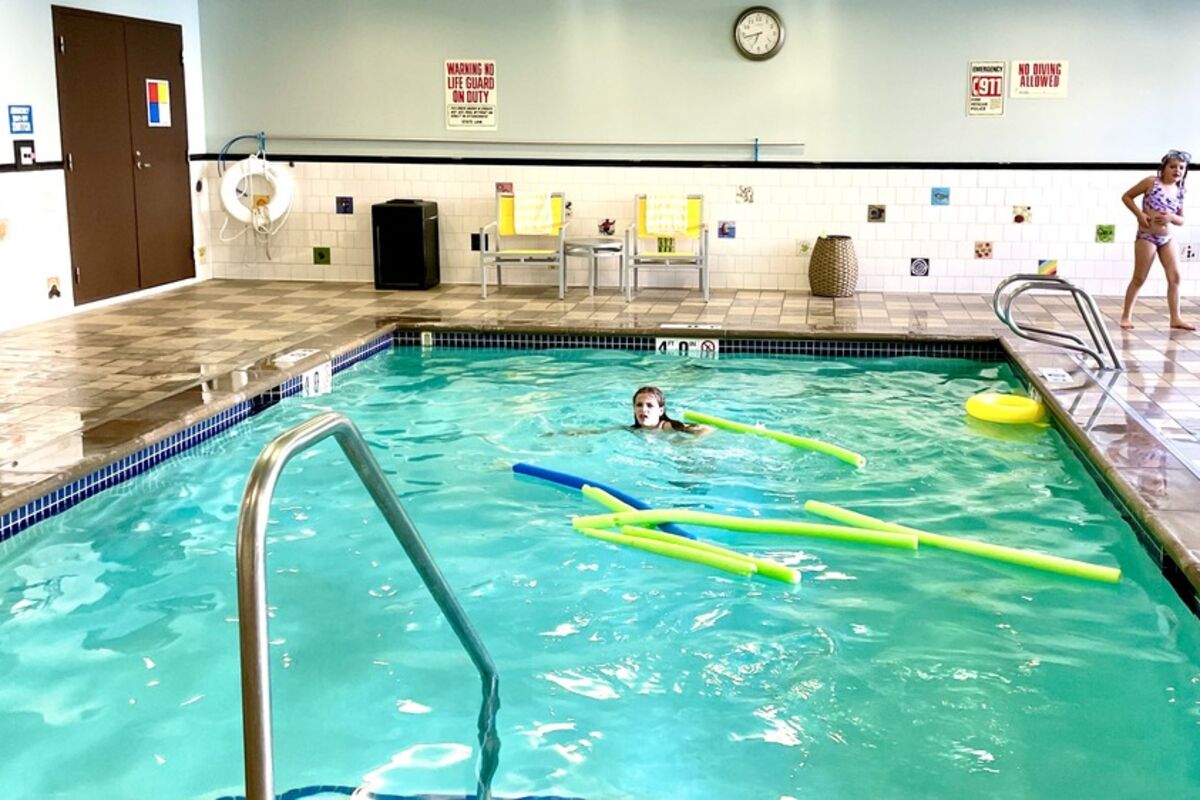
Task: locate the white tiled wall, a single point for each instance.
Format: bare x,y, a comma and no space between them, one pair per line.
34,247
791,207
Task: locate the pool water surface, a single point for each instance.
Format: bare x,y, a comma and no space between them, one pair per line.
622,675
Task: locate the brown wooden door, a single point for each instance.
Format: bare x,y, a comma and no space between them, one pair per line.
154,52
128,204
93,109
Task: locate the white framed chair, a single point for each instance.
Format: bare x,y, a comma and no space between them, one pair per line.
551,253
641,246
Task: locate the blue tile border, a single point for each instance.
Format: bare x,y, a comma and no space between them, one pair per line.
135,464
132,465
120,470
989,350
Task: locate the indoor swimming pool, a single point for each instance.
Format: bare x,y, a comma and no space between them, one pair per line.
883,673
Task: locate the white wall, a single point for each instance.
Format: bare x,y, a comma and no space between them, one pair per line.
857,80
34,203
791,207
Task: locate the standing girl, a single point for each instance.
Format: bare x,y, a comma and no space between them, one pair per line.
1162,206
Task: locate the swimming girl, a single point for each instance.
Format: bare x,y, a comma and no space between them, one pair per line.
650,412
1162,206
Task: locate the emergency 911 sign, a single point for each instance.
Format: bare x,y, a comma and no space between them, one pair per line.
985,89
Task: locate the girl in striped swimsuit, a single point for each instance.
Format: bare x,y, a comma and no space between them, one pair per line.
1162,206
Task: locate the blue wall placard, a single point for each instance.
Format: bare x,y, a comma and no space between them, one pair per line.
20,119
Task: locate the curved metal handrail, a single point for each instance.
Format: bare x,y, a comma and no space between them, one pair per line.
252,595
1002,305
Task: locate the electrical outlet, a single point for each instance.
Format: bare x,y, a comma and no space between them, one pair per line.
1189,252
321,256
24,156
202,253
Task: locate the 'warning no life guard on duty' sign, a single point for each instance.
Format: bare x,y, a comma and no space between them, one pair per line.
470,94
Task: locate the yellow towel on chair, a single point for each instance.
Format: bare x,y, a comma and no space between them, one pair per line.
533,214
666,214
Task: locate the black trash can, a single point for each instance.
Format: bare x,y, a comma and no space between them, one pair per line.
405,236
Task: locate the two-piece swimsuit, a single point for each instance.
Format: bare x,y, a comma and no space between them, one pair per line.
1158,200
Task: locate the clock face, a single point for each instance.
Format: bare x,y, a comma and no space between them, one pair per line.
758,33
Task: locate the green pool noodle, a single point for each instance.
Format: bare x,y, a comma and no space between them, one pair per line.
764,566
657,516
1011,555
848,456
735,565
607,500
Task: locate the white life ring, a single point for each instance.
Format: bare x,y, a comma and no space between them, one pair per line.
282,187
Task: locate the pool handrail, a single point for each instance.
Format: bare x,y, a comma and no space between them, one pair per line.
252,594
1002,305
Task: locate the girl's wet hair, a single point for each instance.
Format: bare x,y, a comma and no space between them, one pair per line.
657,394
653,391
1176,155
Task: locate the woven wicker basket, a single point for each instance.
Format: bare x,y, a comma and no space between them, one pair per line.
833,269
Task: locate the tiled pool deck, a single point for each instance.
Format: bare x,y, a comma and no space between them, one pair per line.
82,391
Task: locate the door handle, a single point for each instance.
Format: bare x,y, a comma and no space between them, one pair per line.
141,164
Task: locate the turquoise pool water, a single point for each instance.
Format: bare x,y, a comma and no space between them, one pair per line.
883,674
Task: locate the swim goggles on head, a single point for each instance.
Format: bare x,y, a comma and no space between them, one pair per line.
1181,155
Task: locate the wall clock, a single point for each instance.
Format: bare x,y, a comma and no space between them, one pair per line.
758,33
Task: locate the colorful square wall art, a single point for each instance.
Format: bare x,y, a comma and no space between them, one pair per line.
1047,266
918,267
1022,214
939,196
876,213
726,229
983,249
1106,234
158,103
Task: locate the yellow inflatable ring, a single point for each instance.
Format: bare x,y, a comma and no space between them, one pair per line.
1012,409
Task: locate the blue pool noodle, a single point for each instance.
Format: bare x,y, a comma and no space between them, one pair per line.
575,482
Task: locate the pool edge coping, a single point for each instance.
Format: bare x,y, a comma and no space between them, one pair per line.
274,381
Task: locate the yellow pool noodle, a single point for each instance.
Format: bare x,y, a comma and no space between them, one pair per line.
1011,555
657,516
605,499
764,566
848,456
735,565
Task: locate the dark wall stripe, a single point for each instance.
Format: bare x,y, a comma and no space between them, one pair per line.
696,164
38,166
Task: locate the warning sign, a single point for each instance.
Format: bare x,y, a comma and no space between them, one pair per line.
470,94
1038,79
985,89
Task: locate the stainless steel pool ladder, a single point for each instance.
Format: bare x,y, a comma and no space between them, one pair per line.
1002,304
252,595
